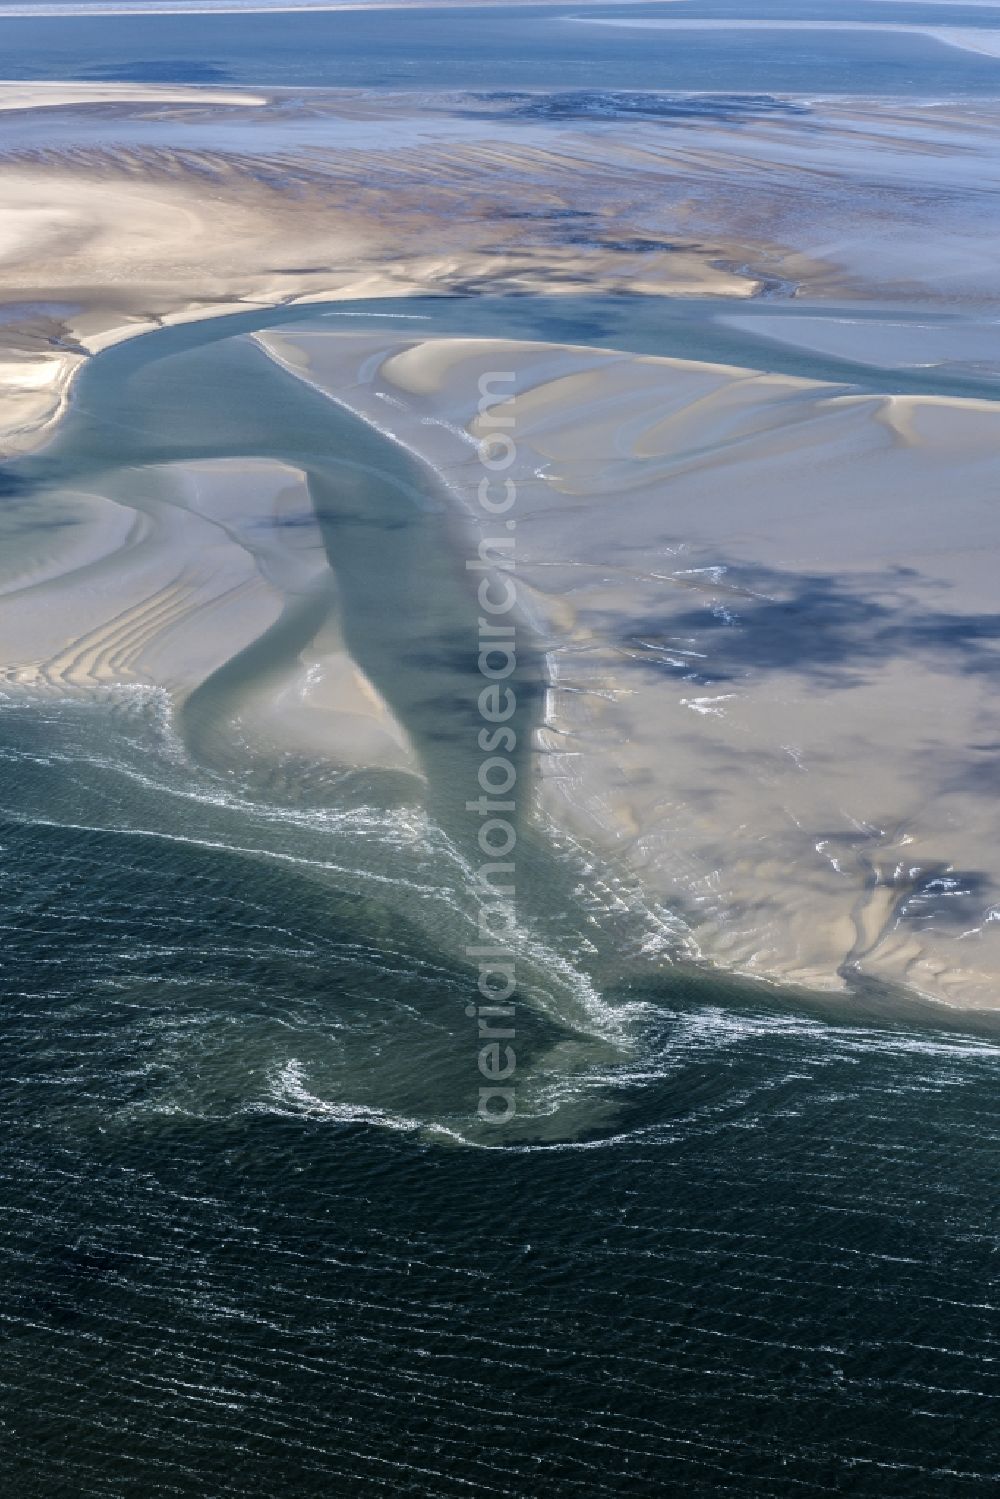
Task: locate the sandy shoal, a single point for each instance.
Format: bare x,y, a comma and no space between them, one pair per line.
126,207
15,94
165,576
769,616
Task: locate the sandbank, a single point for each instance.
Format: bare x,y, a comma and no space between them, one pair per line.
769,640
128,207
767,636
167,574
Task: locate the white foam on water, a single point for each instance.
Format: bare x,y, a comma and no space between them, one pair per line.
406,317
708,706
590,1009
712,1027
22,819
407,824
288,1093
549,976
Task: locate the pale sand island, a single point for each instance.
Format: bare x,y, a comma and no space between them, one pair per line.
770,639
124,207
766,606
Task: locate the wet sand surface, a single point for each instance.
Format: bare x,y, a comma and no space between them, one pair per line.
124,211
763,643
769,643
736,1239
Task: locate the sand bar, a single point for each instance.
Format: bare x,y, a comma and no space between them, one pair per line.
163,576
127,207
770,643
768,639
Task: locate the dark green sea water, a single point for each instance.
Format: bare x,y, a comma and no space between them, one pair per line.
254,1243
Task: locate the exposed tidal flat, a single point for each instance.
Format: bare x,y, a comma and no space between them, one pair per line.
126,207
738,1236
712,684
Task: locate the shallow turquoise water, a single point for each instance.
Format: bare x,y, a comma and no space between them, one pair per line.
253,1242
